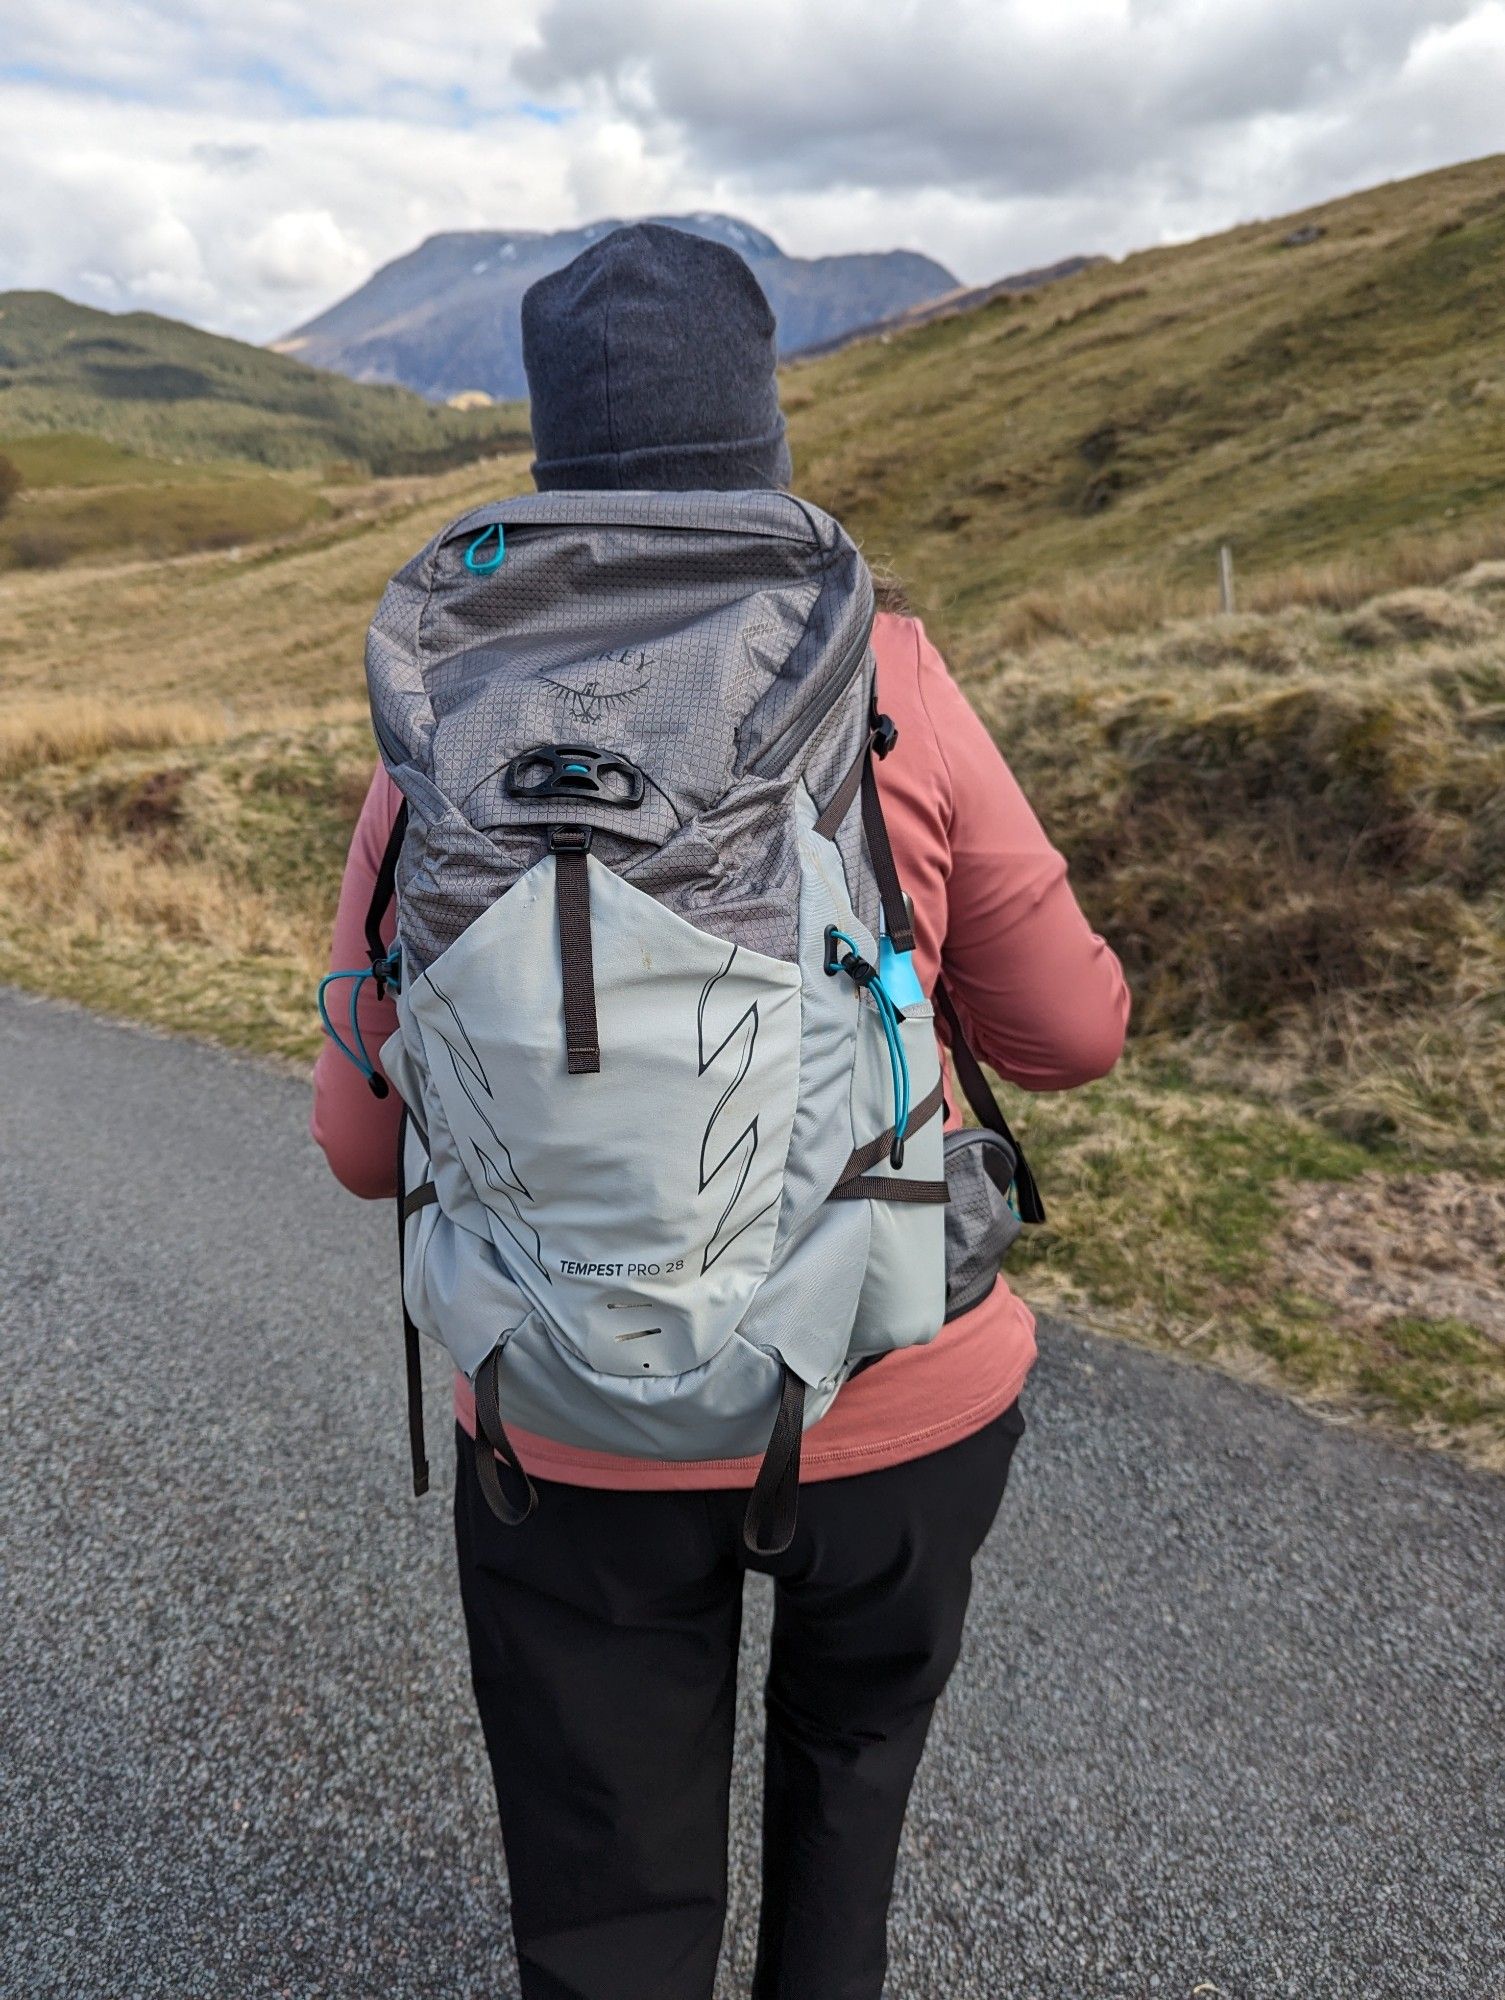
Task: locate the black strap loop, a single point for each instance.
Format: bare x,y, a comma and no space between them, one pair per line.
773,1508
570,846
412,1344
495,1454
985,1106
426,1196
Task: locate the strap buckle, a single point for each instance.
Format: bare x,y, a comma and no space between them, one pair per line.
570,839
885,734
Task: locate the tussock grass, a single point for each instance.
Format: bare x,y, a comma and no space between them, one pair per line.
160,516
84,729
72,729
276,622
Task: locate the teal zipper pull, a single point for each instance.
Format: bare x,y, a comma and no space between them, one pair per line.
484,565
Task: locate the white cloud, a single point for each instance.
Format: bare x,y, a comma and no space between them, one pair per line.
303,251
245,167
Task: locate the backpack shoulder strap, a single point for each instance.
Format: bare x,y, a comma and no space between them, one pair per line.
979,1095
385,887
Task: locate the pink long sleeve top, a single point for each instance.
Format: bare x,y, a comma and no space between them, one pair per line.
1042,997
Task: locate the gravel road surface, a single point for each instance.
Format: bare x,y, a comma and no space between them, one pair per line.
1230,1723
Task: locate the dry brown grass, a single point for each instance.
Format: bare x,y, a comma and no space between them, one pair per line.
280,623
86,890
1084,609
79,729
82,729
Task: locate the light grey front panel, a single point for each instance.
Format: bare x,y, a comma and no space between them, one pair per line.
636,1208
830,1012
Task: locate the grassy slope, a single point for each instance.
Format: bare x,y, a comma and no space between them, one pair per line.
1290,822
1302,404
84,499
156,386
139,436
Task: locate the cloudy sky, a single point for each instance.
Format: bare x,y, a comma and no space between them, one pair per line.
242,166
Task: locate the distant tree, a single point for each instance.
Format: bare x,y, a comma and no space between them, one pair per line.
10,482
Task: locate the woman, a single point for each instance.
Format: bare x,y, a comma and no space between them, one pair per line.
604,1632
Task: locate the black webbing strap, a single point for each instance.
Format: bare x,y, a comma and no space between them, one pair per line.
411,1338
840,802
421,1197
494,1445
572,896
869,1154
385,886
773,1508
862,776
881,854
889,1187
985,1105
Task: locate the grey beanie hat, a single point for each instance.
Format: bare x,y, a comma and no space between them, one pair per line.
650,363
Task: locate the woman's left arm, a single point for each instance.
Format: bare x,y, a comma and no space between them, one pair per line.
357,1131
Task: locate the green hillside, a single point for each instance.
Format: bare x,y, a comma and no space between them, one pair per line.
156,386
1309,389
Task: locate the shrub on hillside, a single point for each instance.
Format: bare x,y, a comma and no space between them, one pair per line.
10,482
39,548
1275,849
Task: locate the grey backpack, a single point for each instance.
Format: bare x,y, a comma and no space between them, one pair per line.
672,1160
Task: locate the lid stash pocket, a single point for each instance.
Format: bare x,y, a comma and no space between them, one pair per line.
980,1224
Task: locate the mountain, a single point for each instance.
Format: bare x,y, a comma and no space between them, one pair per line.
445,319
154,385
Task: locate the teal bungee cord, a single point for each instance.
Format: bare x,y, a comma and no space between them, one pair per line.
866,977
386,970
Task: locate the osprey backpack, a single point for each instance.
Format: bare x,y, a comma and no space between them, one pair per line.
672,1164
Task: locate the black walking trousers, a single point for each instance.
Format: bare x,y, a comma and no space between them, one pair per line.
603,1646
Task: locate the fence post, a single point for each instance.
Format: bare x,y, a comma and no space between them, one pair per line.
1225,578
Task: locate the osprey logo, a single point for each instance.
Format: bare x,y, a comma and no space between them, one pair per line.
591,690
729,1159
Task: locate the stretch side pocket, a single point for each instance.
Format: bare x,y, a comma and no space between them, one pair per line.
980,1222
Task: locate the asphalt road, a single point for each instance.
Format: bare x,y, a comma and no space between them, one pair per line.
1230,1724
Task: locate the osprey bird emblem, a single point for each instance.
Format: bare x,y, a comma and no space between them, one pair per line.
591,690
